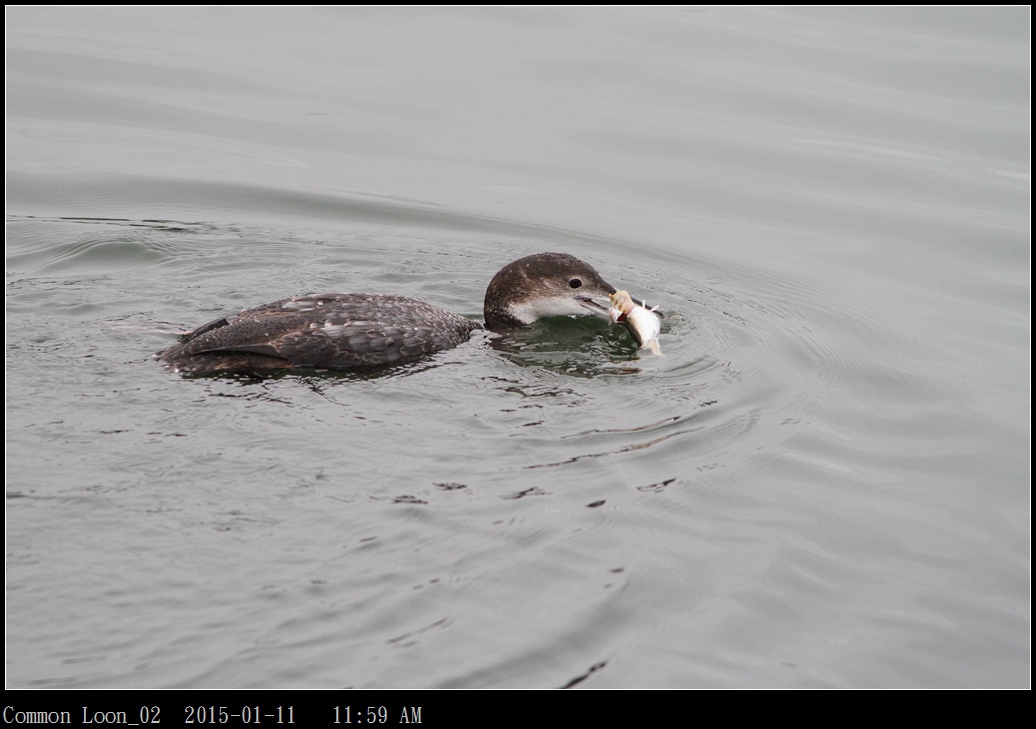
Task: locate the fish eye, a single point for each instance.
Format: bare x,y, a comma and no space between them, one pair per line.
574,283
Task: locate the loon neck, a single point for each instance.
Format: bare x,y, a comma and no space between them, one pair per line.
498,317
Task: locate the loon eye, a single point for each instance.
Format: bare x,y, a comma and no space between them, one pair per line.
575,283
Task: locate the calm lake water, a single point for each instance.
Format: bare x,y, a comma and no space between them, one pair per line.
824,482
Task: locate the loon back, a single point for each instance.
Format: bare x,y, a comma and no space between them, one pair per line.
328,331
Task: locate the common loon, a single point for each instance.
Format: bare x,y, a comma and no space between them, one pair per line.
342,331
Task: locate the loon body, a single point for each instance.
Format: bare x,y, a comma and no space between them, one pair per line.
343,331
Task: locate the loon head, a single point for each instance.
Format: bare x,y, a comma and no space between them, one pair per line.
545,284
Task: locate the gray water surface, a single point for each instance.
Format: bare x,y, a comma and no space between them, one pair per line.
824,482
